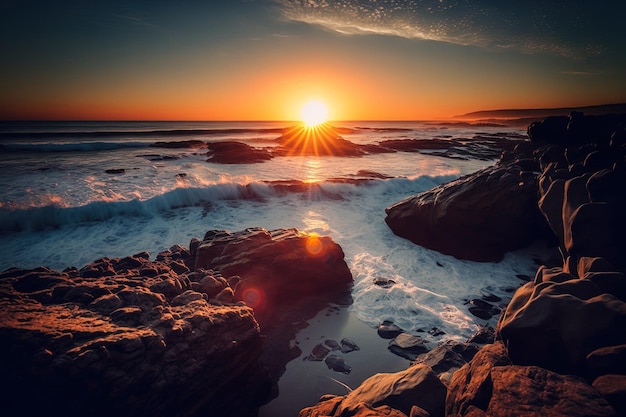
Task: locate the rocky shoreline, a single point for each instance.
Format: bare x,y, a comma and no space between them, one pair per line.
559,349
169,337
207,330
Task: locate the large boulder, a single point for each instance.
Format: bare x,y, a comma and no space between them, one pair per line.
555,325
276,267
490,386
478,217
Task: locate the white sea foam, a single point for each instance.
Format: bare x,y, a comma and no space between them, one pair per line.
62,209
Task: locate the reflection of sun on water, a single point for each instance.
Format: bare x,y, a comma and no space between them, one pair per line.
315,223
312,169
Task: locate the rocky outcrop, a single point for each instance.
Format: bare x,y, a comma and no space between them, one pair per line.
562,336
115,339
560,346
133,337
232,152
478,217
418,391
491,386
275,268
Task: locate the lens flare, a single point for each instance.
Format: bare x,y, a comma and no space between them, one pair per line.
253,297
314,245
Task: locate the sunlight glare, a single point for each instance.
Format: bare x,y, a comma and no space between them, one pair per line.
314,113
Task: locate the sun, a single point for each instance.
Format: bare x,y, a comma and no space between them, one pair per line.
314,113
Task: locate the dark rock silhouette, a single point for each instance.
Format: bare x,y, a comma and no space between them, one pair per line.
479,217
232,152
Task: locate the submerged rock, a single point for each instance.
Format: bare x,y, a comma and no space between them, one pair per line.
318,353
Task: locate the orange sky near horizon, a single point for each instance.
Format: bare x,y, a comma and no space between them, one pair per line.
263,60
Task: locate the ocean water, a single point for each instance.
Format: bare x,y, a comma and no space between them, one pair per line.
59,207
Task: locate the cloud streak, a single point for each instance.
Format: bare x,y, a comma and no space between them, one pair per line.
528,28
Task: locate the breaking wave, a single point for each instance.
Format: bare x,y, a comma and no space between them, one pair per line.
55,216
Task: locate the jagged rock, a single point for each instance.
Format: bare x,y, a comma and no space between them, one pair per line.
471,218
530,390
417,385
127,352
328,404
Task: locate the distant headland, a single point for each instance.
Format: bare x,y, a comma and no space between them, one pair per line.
526,116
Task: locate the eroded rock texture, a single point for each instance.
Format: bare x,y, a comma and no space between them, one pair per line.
169,337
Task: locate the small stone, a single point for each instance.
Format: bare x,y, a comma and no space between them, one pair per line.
481,304
435,331
332,344
407,346
318,353
337,364
348,345
480,313
487,296
388,330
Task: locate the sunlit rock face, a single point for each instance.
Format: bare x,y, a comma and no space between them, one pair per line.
491,386
119,337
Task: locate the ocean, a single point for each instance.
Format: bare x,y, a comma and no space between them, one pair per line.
73,192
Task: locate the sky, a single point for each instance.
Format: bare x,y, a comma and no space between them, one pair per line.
264,59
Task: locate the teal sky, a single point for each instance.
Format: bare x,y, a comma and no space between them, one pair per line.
253,60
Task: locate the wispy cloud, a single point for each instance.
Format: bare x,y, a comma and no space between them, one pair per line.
457,22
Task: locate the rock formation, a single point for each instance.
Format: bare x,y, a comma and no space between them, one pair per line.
560,346
479,217
173,336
